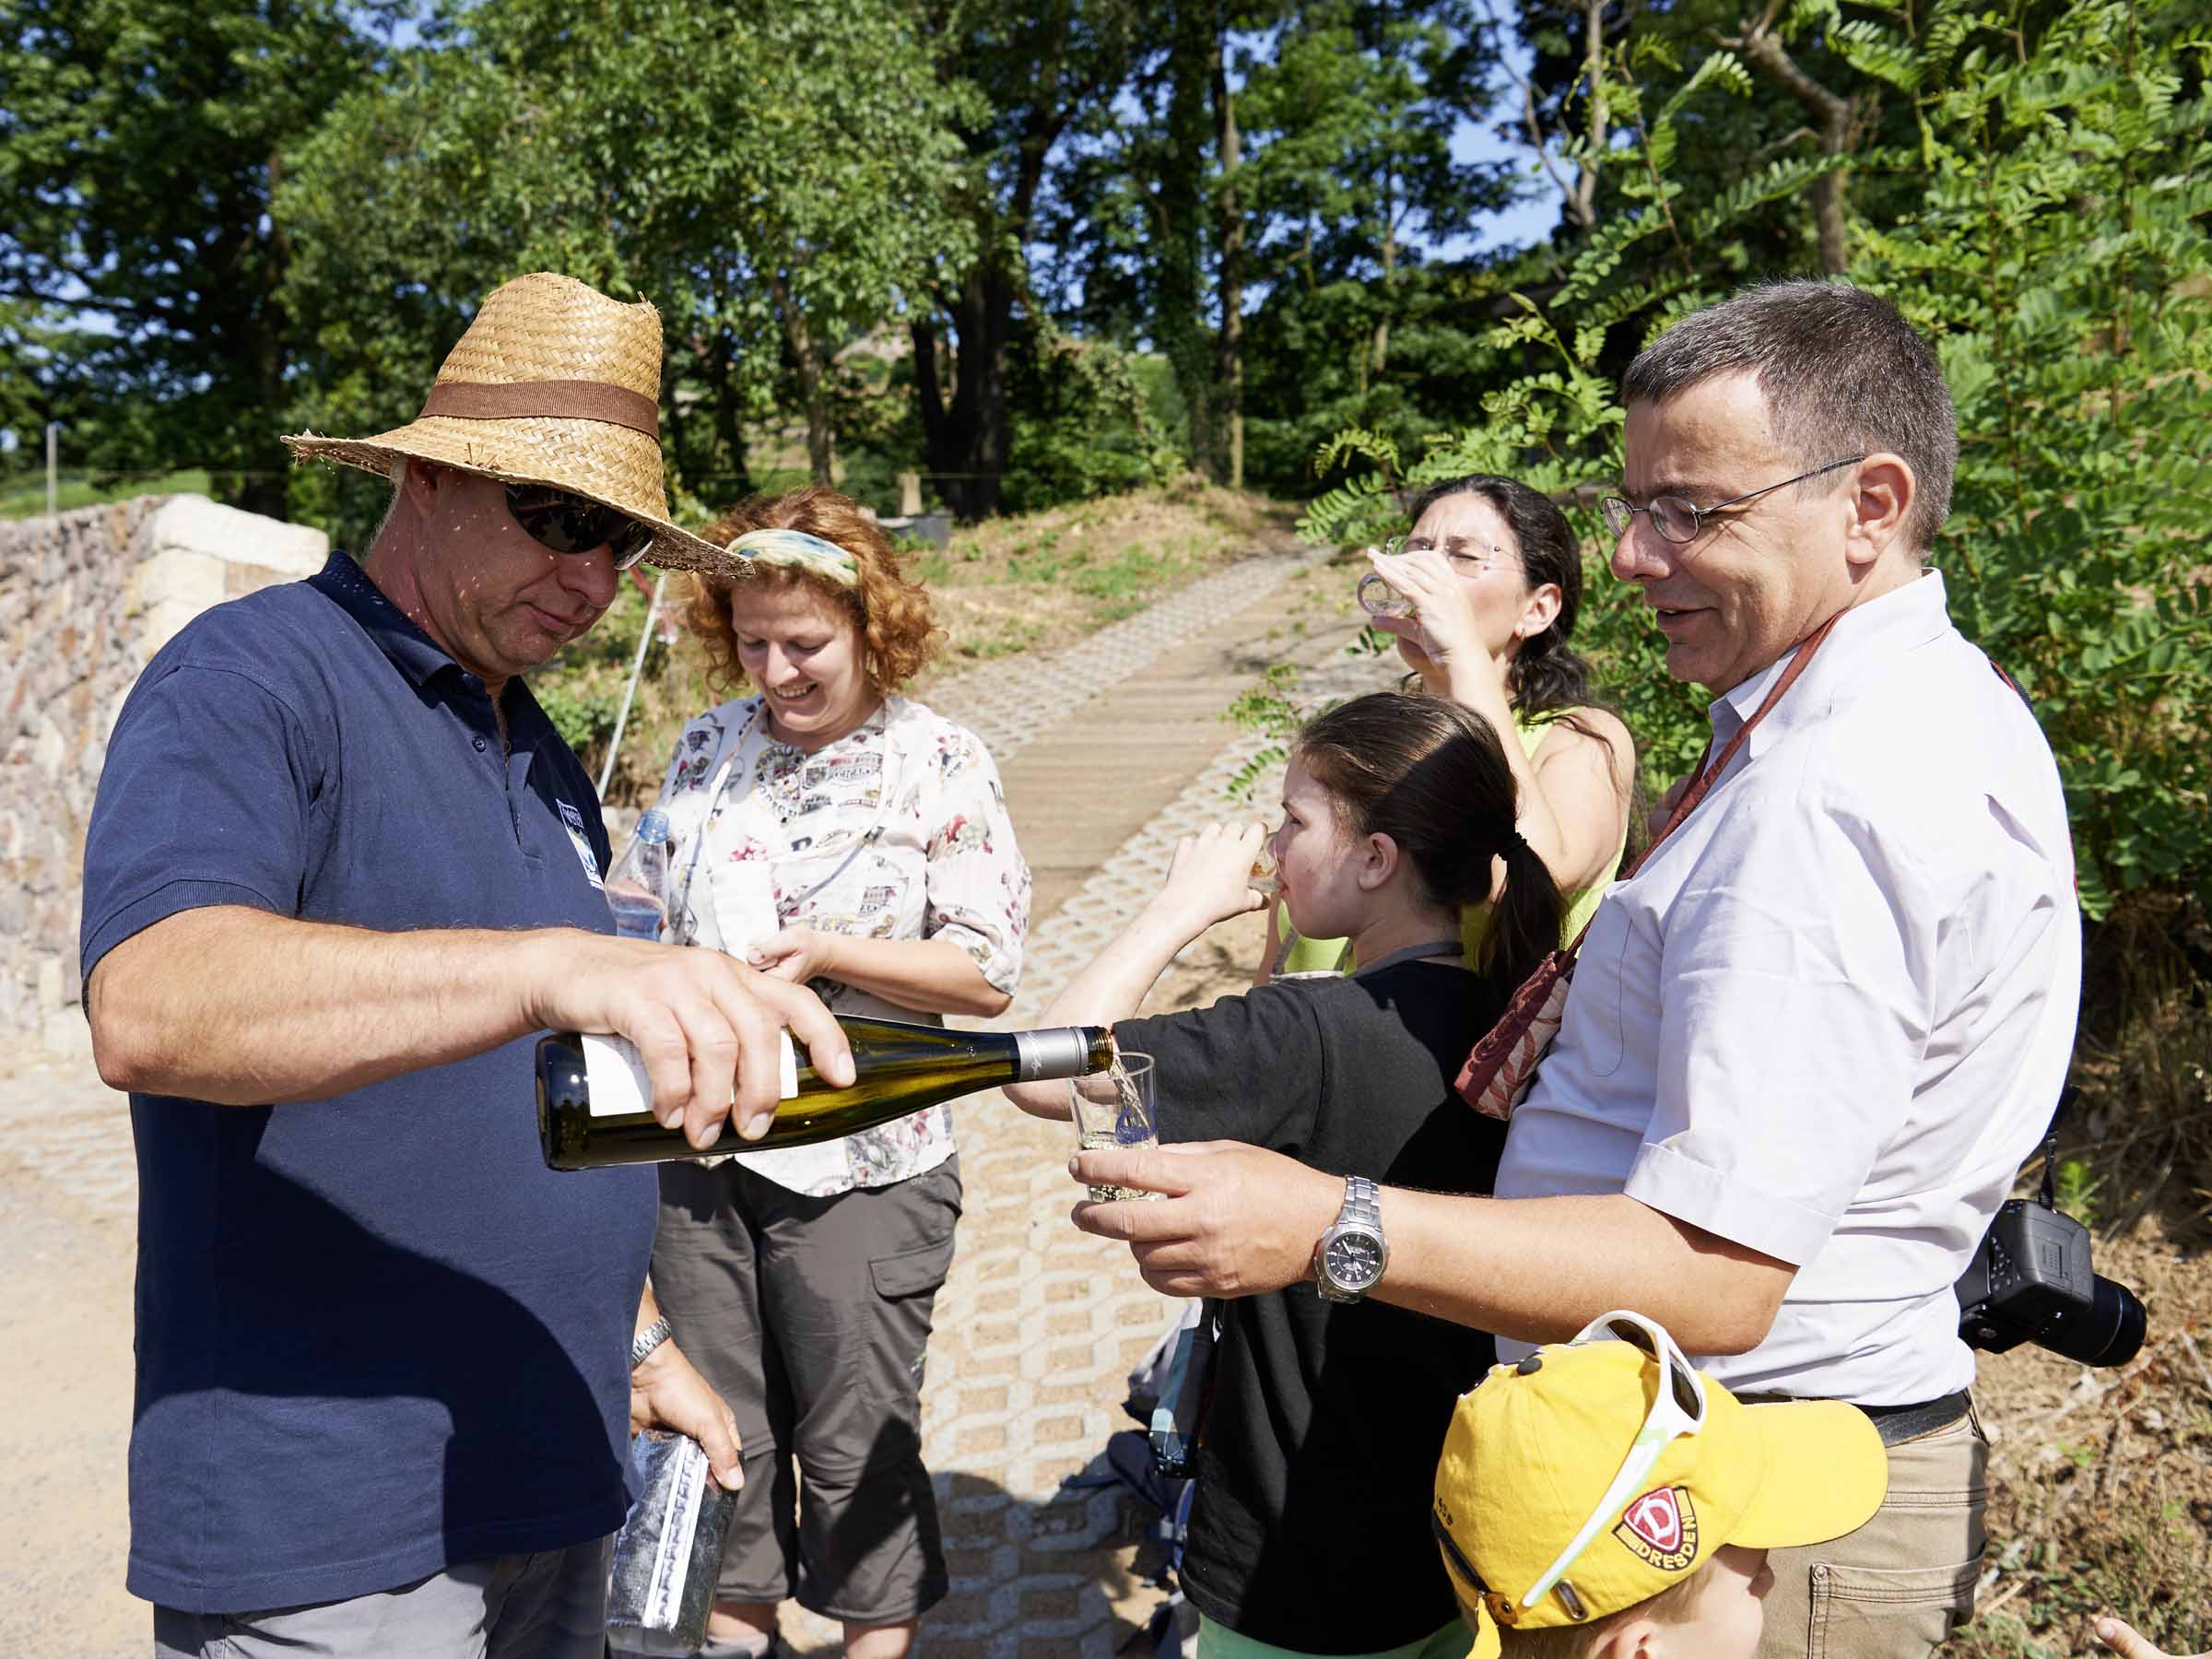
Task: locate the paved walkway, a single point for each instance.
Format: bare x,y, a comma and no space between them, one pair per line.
1110,750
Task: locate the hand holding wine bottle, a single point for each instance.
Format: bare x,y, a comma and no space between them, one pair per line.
708,1029
595,1109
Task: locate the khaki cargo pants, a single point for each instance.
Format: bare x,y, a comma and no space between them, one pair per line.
1903,1583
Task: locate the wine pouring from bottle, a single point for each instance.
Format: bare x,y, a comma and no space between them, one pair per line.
594,1102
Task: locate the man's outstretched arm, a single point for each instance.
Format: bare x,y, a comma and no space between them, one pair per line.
1239,1220
237,1005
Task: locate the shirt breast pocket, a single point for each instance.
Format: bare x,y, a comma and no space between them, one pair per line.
1598,1004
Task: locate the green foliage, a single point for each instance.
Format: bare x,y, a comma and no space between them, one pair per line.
2055,249
1347,115
2060,257
23,494
581,692
1085,423
772,183
583,715
2074,1189
141,147
1264,707
2148,1569
1558,425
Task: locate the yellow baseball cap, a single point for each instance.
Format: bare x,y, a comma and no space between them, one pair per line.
1538,1447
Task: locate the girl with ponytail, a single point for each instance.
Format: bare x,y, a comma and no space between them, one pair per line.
1317,1455
1496,577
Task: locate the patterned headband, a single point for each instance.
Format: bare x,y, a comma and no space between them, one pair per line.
800,550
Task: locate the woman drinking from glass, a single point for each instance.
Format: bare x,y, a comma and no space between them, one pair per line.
1493,578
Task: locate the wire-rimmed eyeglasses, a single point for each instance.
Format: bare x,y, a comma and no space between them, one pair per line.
1679,520
1471,557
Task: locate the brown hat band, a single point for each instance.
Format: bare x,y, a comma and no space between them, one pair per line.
564,400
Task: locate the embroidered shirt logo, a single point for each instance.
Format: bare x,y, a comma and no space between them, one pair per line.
572,820
1661,1528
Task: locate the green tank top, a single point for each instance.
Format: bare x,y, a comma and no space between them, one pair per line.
1335,956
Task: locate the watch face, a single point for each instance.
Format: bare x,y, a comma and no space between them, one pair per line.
1354,1260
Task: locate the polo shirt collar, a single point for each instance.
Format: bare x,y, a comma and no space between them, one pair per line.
1866,641
412,652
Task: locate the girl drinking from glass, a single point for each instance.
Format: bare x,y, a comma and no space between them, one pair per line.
1309,1532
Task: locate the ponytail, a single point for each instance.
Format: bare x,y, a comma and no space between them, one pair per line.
1525,919
1432,774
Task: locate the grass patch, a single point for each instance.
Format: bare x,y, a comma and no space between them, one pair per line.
1040,581
24,495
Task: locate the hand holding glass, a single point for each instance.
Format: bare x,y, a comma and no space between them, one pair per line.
1378,598
1113,1109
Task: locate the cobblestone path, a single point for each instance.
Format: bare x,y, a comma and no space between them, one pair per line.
1038,1324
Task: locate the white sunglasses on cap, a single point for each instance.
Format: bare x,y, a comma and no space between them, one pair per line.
1678,1408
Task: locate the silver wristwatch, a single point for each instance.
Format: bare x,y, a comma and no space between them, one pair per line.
648,1339
1352,1254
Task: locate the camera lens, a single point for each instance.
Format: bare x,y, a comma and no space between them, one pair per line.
2109,1334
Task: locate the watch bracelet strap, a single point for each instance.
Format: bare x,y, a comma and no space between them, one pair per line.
1362,1201
1362,1206
647,1340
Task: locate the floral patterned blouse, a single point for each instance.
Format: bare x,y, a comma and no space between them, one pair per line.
897,830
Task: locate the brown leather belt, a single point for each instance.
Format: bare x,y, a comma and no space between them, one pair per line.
1895,1424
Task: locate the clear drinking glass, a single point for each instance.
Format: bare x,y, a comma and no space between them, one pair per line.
1378,598
1263,869
1114,1108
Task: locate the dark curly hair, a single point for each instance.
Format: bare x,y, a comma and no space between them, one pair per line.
890,609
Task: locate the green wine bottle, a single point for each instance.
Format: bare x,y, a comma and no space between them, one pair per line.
594,1100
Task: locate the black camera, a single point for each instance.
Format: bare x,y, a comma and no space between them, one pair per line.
2031,1282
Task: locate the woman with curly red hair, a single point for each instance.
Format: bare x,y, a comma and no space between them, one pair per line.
837,834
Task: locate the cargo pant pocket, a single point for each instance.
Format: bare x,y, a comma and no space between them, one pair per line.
1861,1612
906,1287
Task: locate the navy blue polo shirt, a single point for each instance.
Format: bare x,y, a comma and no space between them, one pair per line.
376,1336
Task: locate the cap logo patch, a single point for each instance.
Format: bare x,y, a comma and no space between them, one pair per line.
1661,1529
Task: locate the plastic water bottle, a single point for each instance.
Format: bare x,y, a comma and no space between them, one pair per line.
637,888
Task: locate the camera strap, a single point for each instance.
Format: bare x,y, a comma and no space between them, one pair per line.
2058,1116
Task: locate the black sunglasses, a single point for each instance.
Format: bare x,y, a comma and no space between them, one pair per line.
568,523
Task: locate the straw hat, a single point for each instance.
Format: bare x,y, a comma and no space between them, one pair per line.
552,383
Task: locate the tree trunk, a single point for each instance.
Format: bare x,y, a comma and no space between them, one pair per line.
1229,372
965,436
1381,353
821,461
264,489
1178,322
1840,120
704,436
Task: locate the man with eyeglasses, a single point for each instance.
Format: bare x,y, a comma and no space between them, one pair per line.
341,872
1808,1044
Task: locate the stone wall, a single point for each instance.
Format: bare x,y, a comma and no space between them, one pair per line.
86,599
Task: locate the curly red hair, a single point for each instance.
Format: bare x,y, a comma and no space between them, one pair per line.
897,630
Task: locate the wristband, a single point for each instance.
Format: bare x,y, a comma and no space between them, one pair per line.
648,1339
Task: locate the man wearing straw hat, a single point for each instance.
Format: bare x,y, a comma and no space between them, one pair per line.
340,872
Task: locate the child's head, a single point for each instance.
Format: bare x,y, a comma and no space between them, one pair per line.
1391,789
1673,1564
1716,1611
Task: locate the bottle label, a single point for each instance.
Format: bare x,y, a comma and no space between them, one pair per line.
615,1074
